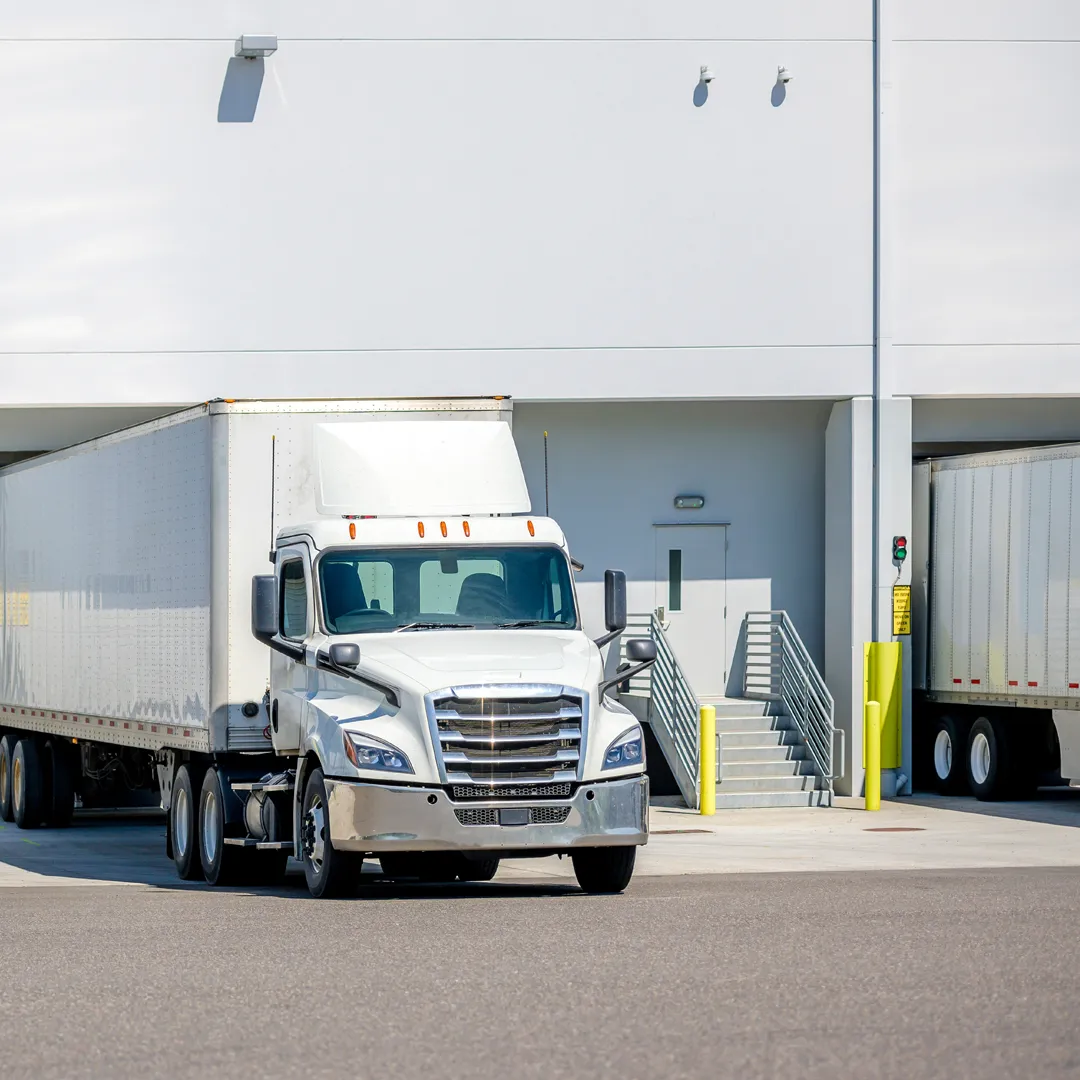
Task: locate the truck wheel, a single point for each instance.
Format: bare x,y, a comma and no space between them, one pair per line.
988,760
328,872
478,869
28,784
947,753
222,864
604,870
7,755
184,825
61,769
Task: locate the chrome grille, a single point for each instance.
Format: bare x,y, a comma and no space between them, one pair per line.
489,815
502,737
532,791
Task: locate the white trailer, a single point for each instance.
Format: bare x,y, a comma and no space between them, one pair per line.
328,629
996,619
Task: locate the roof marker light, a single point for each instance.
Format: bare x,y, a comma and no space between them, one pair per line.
352,530
465,526
532,529
442,527
420,529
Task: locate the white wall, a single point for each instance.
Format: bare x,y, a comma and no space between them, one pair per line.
987,223
434,199
615,469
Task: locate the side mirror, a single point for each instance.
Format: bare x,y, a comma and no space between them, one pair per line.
614,601
264,612
345,654
641,650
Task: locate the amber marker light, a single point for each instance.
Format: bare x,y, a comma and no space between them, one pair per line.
465,527
420,529
442,527
352,530
532,529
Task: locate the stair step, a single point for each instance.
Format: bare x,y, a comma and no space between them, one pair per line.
783,767
766,783
739,800
728,706
732,724
761,738
789,752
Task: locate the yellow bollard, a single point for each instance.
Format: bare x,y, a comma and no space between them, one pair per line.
707,794
872,746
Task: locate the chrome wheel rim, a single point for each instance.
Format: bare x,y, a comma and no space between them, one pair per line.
182,823
211,833
943,755
315,833
980,758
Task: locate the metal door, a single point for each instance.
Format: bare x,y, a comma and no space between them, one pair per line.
691,594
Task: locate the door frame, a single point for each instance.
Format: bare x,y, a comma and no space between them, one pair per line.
725,525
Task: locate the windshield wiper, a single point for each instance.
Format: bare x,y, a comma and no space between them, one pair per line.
530,622
436,626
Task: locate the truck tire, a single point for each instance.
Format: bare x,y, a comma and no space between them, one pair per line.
60,763
7,755
948,751
184,824
28,784
222,864
988,765
478,869
328,872
605,869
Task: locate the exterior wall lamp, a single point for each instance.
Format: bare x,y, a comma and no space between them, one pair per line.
255,46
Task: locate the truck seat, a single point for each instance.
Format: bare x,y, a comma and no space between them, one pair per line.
483,596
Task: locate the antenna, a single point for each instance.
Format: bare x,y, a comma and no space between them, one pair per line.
273,484
547,503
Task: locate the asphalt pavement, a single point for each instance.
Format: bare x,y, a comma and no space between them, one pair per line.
933,973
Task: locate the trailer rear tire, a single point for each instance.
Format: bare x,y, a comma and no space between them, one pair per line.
948,751
7,755
604,869
28,784
328,872
61,777
184,824
988,765
222,864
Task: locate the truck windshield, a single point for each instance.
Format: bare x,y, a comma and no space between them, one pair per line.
376,591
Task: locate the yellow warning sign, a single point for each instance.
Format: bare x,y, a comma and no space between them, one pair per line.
901,609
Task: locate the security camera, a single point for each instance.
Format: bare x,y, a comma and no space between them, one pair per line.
706,74
783,75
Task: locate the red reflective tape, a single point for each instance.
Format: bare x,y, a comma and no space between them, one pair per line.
958,680
1033,684
1013,682
141,728
153,729
101,723
112,723
1074,686
976,682
187,733
168,731
54,716
126,725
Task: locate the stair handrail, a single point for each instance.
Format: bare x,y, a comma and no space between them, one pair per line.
674,713
779,668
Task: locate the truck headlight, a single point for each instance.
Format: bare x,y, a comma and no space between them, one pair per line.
367,752
627,749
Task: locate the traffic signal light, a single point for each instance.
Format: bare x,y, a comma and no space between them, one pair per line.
899,550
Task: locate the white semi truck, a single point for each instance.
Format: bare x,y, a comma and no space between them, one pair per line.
996,620
407,678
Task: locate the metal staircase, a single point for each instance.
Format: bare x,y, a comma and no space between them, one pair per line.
774,745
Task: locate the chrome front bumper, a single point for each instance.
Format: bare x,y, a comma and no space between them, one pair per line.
371,817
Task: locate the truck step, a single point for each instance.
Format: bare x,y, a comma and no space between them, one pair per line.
261,845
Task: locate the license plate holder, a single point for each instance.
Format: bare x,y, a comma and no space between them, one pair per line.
515,815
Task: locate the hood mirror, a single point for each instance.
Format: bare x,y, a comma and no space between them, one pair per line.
345,654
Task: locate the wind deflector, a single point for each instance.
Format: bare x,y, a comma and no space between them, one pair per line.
394,468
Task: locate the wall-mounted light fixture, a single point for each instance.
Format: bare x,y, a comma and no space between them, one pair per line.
689,502
254,46
783,76
707,75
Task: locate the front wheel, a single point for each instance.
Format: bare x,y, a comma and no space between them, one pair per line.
328,872
604,870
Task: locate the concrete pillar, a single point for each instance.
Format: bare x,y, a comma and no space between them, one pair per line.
849,476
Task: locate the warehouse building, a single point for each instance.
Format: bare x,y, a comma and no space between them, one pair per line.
740,262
